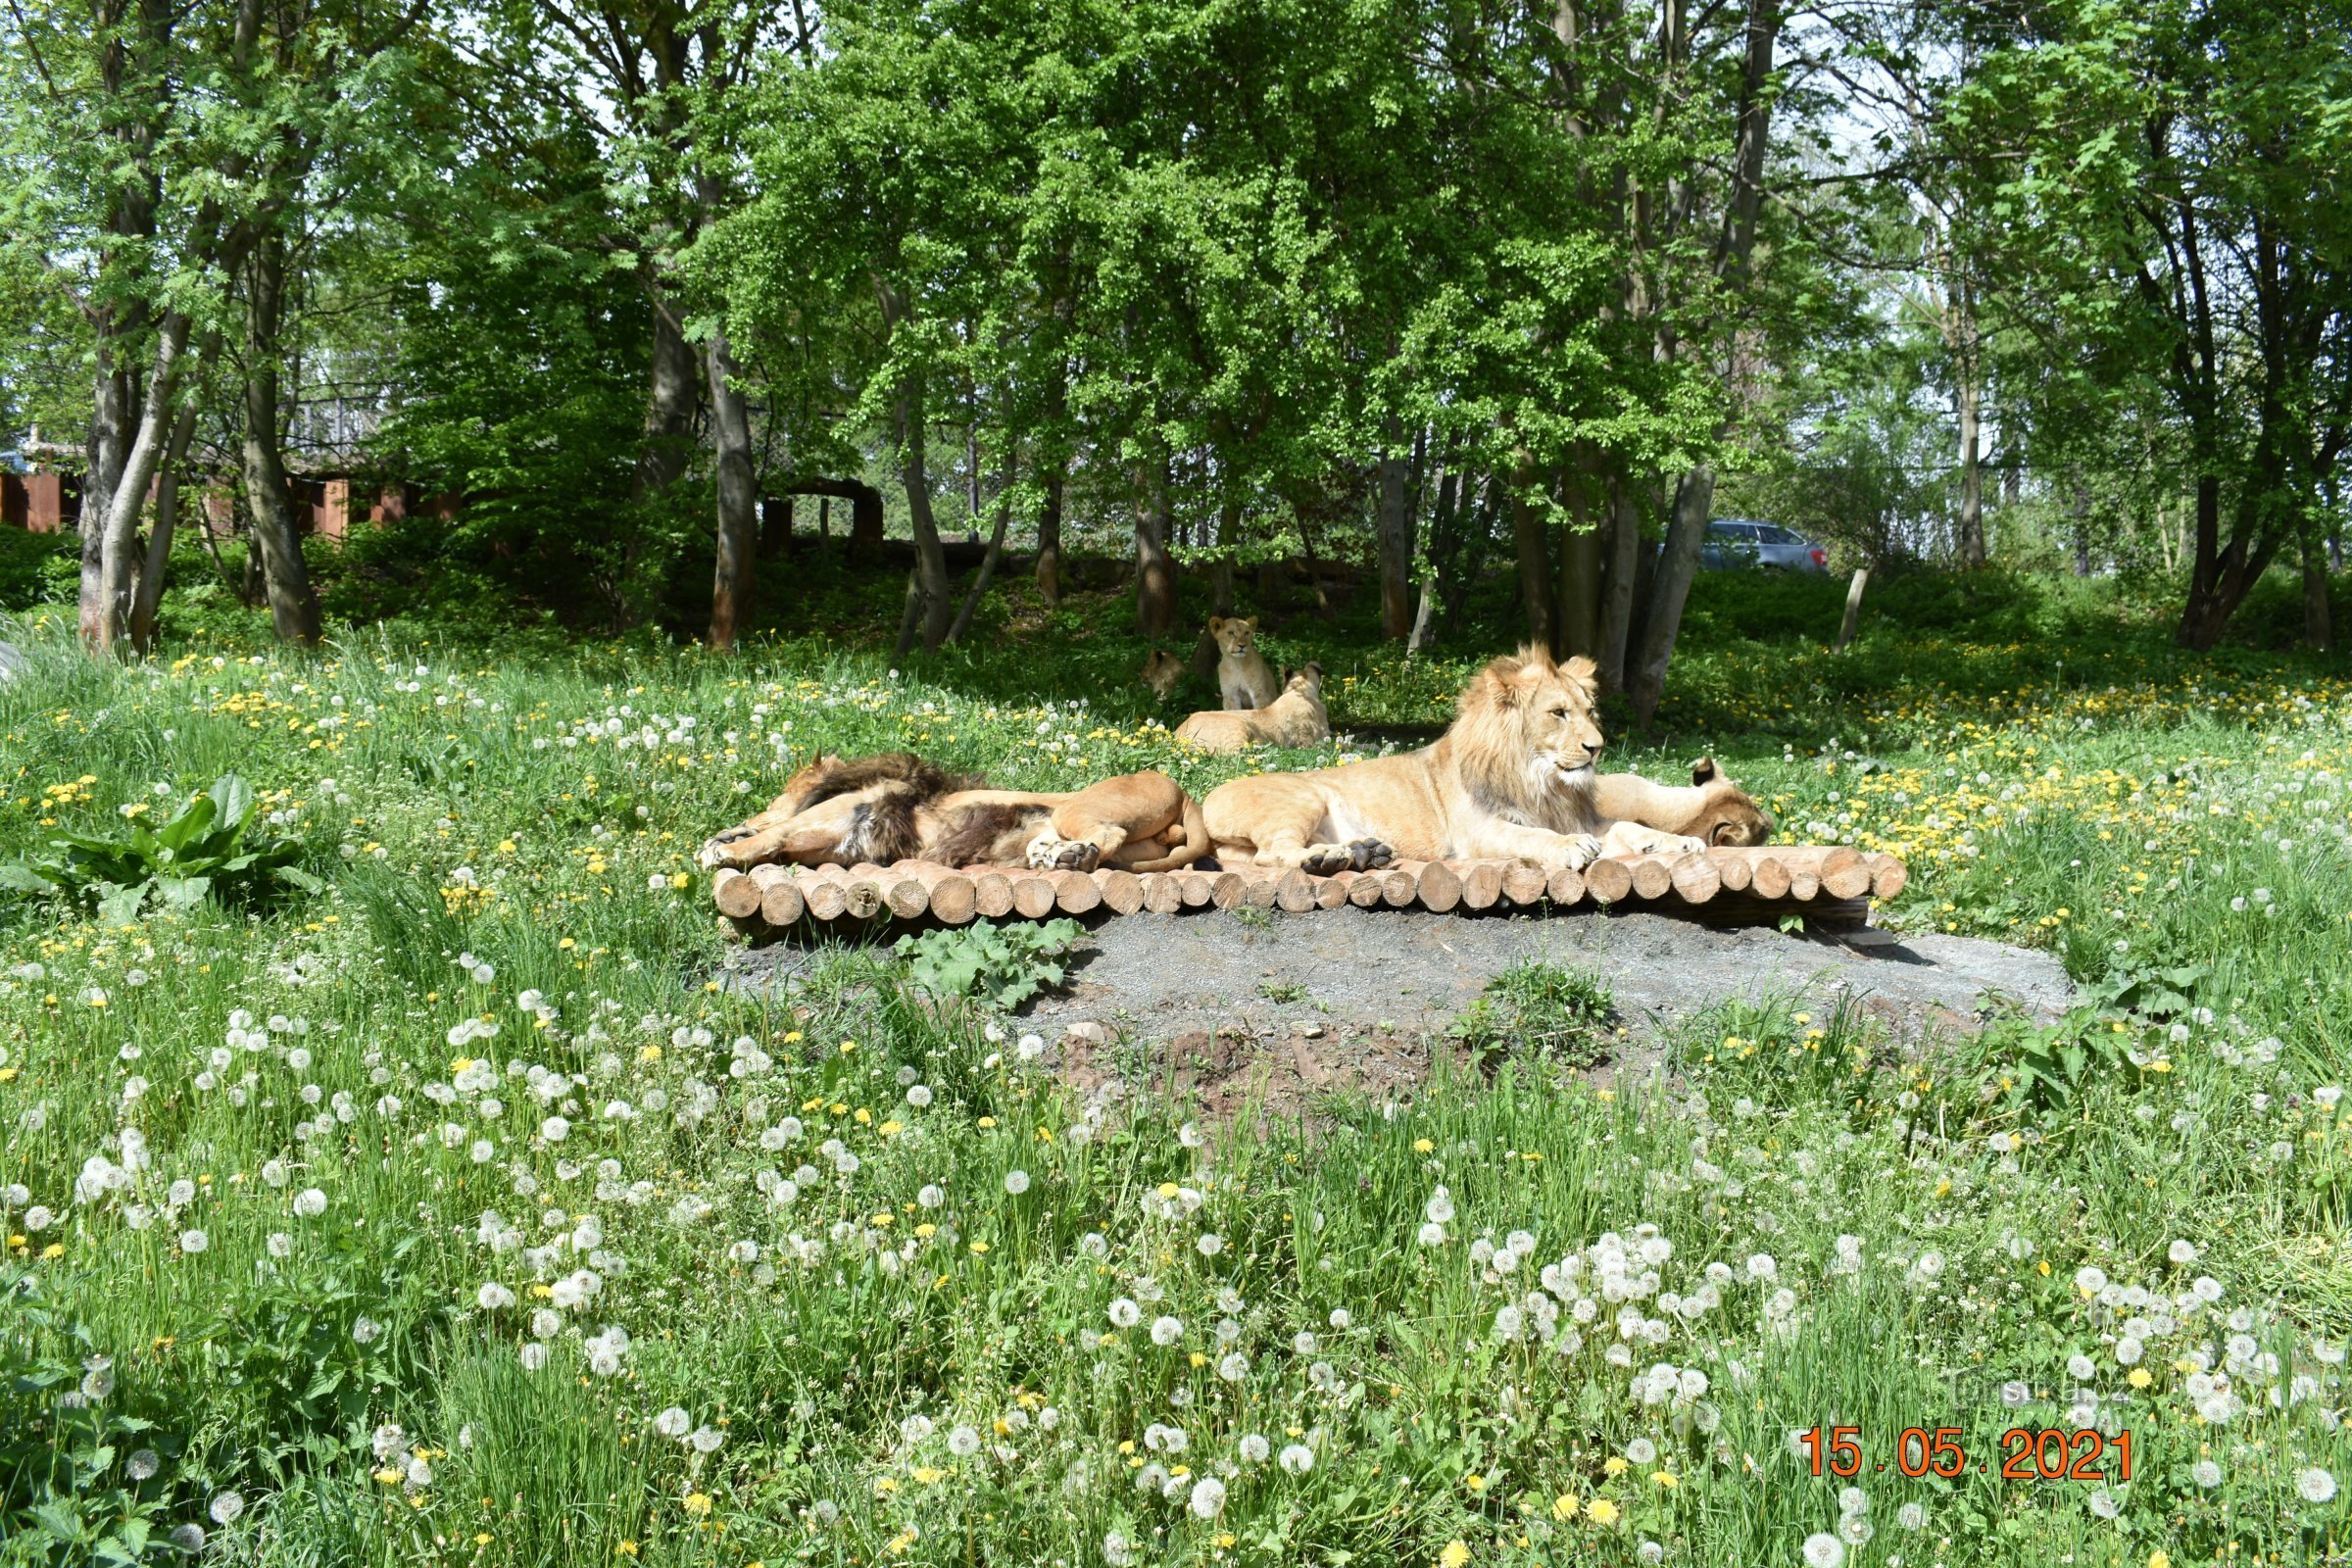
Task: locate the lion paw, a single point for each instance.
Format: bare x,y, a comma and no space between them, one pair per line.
716,852
1357,854
1583,850
1049,853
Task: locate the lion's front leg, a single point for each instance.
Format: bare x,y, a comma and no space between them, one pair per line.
1536,846
1631,838
741,845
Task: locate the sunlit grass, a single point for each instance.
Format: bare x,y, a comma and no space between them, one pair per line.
874,1256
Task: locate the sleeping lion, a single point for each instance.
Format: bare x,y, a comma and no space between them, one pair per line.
898,807
1511,779
1710,807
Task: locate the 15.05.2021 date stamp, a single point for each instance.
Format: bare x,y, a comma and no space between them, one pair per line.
2023,1454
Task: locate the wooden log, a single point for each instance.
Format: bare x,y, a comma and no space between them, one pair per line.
1195,888
1122,891
1440,885
1368,890
1161,894
736,894
781,901
1805,880
1609,881
1771,880
1294,891
1399,886
1651,877
1564,887
1846,874
1524,884
1888,876
949,893
826,893
1075,892
905,892
992,893
1228,889
1033,895
1332,891
865,890
1694,877
1482,884
1734,871
1258,886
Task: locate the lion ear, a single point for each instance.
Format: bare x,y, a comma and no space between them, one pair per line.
1216,623
1704,772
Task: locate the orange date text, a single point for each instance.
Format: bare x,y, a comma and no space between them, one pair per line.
2026,1453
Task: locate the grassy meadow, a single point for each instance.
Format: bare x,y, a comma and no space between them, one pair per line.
454,1213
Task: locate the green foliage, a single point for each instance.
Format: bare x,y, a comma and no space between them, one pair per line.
1000,965
1543,1011
206,848
31,564
77,1470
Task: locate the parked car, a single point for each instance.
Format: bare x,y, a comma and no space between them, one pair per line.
1735,542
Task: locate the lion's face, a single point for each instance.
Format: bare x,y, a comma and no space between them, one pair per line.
1235,635
1162,672
1553,704
1731,818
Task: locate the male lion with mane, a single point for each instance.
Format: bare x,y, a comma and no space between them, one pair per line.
1511,779
898,807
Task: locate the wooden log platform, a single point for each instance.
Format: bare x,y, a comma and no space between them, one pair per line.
1828,885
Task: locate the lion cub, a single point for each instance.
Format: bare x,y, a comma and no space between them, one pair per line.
1710,807
1244,677
1294,718
1164,672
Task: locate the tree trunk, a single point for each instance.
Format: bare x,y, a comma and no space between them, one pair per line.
910,616
1972,476
2319,629
1478,544
148,597
669,406
1535,563
988,560
1445,531
1693,500
738,506
112,419
930,560
1580,573
1670,588
285,576
1155,573
1853,608
1619,582
1394,525
1048,537
2082,514
118,512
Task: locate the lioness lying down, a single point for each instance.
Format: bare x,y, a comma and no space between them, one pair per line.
1294,718
1710,807
897,807
1511,779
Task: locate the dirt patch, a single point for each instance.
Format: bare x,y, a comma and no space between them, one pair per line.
1230,1007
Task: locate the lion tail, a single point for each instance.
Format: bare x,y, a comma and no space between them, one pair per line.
1195,846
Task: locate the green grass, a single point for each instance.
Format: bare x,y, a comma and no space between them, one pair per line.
511,918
